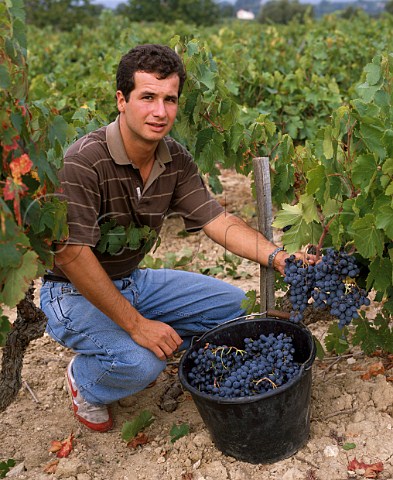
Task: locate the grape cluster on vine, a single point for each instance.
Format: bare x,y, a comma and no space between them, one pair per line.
329,283
263,364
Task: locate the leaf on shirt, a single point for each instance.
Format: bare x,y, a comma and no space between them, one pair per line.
113,238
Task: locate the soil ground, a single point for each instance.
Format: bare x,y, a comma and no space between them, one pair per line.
346,410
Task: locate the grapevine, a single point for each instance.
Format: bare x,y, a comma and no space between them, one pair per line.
265,363
328,284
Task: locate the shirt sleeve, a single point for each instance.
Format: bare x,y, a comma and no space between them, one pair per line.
191,198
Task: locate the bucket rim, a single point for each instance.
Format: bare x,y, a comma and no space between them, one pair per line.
304,366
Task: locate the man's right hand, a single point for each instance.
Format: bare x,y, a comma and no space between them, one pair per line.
157,336
81,266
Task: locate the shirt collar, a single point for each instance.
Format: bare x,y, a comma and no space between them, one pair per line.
118,152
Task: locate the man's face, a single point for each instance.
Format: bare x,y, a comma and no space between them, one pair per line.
151,109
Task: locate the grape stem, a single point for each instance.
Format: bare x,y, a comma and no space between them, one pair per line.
268,379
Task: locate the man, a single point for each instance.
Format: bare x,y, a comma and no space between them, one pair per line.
124,322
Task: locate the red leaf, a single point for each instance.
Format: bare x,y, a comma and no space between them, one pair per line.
62,448
51,466
20,166
13,189
373,370
140,439
55,446
371,470
8,191
13,146
67,446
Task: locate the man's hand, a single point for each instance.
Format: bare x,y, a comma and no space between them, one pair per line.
279,260
81,266
157,336
236,236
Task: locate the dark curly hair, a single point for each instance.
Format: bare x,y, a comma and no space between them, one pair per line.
149,58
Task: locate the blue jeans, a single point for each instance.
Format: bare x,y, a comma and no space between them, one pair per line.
110,365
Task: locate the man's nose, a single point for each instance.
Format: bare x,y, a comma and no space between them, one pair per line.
159,108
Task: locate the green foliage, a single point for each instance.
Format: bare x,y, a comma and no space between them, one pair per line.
198,12
350,12
320,349
115,237
5,466
250,304
183,260
178,431
210,121
345,198
372,337
187,259
228,264
389,7
284,11
290,92
349,446
336,340
132,428
31,146
61,14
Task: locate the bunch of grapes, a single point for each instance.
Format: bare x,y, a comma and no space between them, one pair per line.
330,283
301,279
263,364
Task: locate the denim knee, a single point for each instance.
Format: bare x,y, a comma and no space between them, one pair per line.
137,369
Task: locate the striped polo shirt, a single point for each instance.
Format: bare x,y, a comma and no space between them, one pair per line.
100,184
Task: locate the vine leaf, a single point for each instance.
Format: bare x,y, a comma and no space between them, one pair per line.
368,239
302,232
132,428
178,431
370,338
112,237
140,439
371,470
19,279
373,73
316,180
380,276
5,466
384,219
62,448
364,170
336,339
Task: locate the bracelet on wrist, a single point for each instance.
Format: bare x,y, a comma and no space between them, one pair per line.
272,256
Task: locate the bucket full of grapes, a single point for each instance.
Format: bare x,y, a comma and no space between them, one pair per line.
250,380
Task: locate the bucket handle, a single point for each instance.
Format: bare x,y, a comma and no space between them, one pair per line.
272,313
269,312
310,360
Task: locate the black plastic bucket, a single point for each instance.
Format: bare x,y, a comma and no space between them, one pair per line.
262,428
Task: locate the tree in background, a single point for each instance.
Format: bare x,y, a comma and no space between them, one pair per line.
389,7
227,9
283,11
200,12
61,14
350,12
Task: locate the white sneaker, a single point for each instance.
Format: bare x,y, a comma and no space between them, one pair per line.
95,417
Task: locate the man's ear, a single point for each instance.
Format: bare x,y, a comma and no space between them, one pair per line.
121,101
